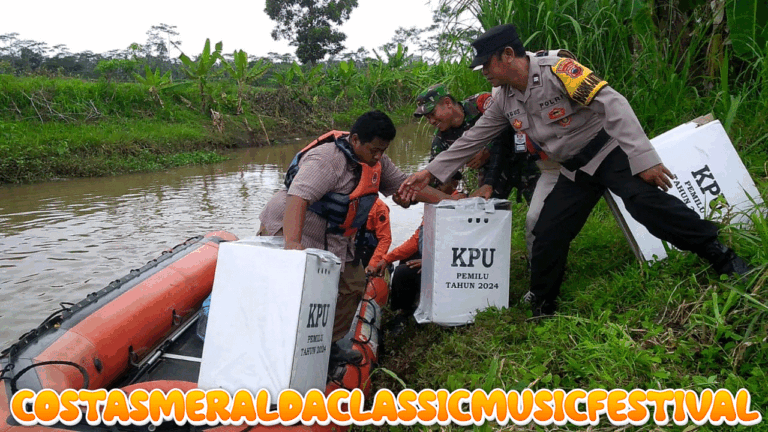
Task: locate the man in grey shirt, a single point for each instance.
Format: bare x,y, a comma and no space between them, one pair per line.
330,189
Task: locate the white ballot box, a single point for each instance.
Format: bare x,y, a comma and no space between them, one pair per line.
465,265
271,318
710,175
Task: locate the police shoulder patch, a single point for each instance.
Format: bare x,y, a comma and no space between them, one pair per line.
580,82
484,101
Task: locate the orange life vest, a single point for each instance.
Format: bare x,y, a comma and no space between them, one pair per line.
345,212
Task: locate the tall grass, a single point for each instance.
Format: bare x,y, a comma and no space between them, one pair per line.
670,72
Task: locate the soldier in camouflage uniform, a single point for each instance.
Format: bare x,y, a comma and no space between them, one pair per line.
500,167
505,165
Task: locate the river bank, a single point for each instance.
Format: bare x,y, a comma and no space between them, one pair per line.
67,128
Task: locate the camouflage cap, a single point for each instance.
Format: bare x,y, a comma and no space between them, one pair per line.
428,99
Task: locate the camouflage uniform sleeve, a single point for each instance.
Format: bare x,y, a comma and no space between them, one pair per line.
438,145
493,168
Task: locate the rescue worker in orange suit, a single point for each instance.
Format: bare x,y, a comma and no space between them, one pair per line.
405,287
561,109
331,185
374,239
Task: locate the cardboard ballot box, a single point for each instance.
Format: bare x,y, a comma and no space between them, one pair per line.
465,265
711,178
271,318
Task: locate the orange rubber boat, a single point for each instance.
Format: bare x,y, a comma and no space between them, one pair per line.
139,332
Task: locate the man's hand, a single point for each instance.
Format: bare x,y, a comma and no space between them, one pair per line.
458,195
377,270
400,201
658,176
289,245
479,159
483,191
413,184
414,264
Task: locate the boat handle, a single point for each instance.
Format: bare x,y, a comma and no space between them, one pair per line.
133,358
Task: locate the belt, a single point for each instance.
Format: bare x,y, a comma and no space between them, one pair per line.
588,152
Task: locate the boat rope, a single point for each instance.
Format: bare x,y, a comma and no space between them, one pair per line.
362,318
51,321
369,281
8,367
361,339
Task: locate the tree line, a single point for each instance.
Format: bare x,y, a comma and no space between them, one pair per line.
709,50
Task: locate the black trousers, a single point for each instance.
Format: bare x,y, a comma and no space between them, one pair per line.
569,204
406,287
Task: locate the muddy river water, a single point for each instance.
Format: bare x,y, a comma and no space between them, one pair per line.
61,240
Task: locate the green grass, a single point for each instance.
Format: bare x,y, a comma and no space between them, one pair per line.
620,324
60,127
50,150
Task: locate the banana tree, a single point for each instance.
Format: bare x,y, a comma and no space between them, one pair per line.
346,74
299,83
242,74
201,69
155,82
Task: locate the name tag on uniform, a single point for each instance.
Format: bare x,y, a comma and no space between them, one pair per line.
520,142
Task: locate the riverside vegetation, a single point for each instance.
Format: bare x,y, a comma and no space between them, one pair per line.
620,324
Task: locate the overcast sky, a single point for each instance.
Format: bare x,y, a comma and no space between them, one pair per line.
101,26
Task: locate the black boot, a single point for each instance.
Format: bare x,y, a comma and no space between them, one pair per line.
340,356
539,307
724,260
397,325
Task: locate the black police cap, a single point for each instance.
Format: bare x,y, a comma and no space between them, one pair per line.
493,40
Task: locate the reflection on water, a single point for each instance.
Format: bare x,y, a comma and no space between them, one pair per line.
60,241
